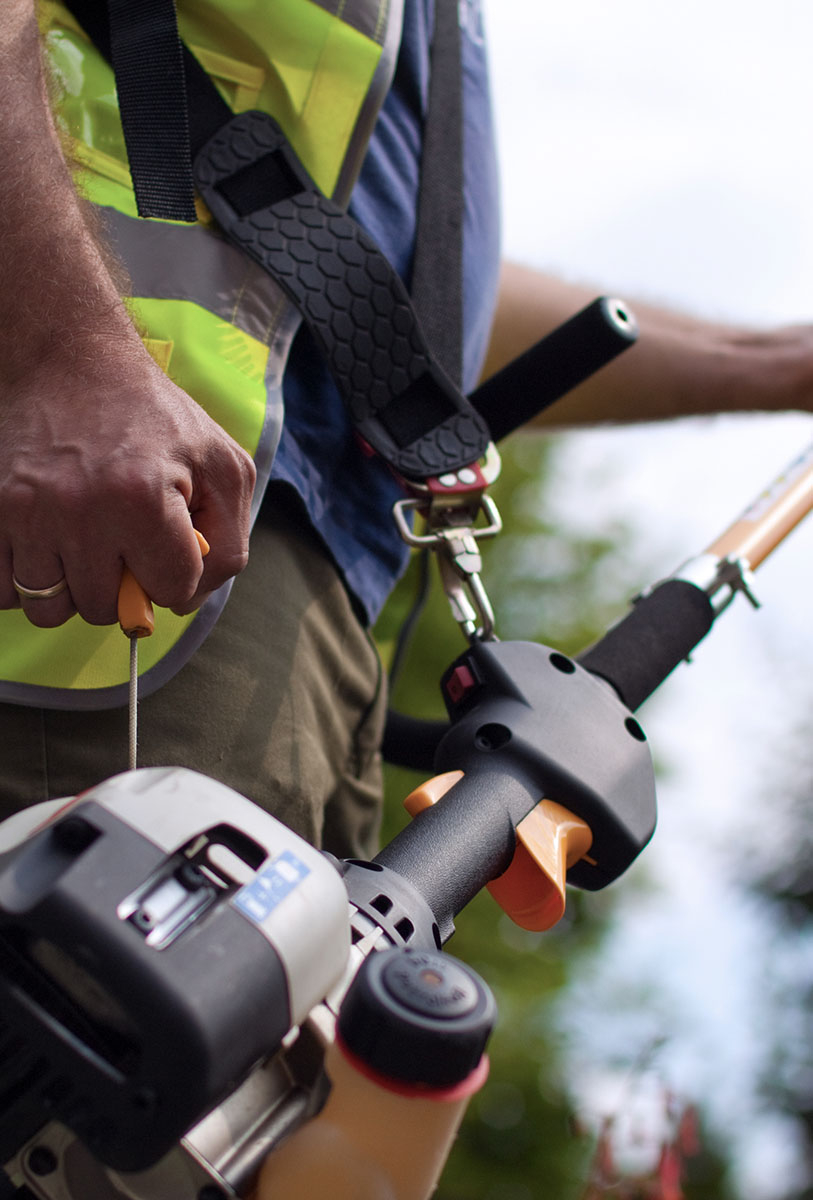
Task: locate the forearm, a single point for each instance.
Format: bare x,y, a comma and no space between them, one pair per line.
680,366
57,297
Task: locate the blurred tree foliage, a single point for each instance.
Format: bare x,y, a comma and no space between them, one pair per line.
561,587
781,875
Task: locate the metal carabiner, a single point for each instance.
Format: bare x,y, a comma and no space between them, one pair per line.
468,600
459,560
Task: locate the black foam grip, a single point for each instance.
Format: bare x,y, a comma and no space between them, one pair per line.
557,363
352,300
451,850
662,629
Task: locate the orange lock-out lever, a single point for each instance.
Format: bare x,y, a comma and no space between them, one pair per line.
550,840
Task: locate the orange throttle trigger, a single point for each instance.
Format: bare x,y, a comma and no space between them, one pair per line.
134,605
550,839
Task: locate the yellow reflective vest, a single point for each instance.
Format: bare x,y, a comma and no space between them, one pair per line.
211,318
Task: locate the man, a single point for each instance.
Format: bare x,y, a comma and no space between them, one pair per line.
105,461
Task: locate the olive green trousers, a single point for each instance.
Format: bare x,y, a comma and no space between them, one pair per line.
284,702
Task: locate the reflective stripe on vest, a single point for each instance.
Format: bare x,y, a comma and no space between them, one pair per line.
211,318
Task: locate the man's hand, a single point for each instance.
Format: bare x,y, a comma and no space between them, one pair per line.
111,467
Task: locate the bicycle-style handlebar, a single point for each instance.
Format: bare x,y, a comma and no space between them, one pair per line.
543,742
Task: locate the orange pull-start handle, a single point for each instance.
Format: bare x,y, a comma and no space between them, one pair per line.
135,613
550,839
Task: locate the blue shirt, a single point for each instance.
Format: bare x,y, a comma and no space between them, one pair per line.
349,497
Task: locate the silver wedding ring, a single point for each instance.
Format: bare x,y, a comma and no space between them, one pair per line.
40,593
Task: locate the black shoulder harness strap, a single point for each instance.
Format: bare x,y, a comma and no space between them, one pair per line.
437,269
400,399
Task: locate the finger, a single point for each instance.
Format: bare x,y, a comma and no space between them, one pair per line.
43,589
197,601
221,511
158,546
93,570
9,598
226,554
219,507
170,571
135,610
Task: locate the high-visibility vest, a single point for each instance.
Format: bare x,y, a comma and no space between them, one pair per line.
215,321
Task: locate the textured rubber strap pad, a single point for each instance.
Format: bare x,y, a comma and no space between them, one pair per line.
352,300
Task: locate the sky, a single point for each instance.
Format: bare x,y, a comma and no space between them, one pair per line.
662,151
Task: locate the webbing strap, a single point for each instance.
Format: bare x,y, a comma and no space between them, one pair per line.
437,272
145,50
192,104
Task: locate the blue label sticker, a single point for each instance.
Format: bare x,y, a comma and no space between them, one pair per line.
270,886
